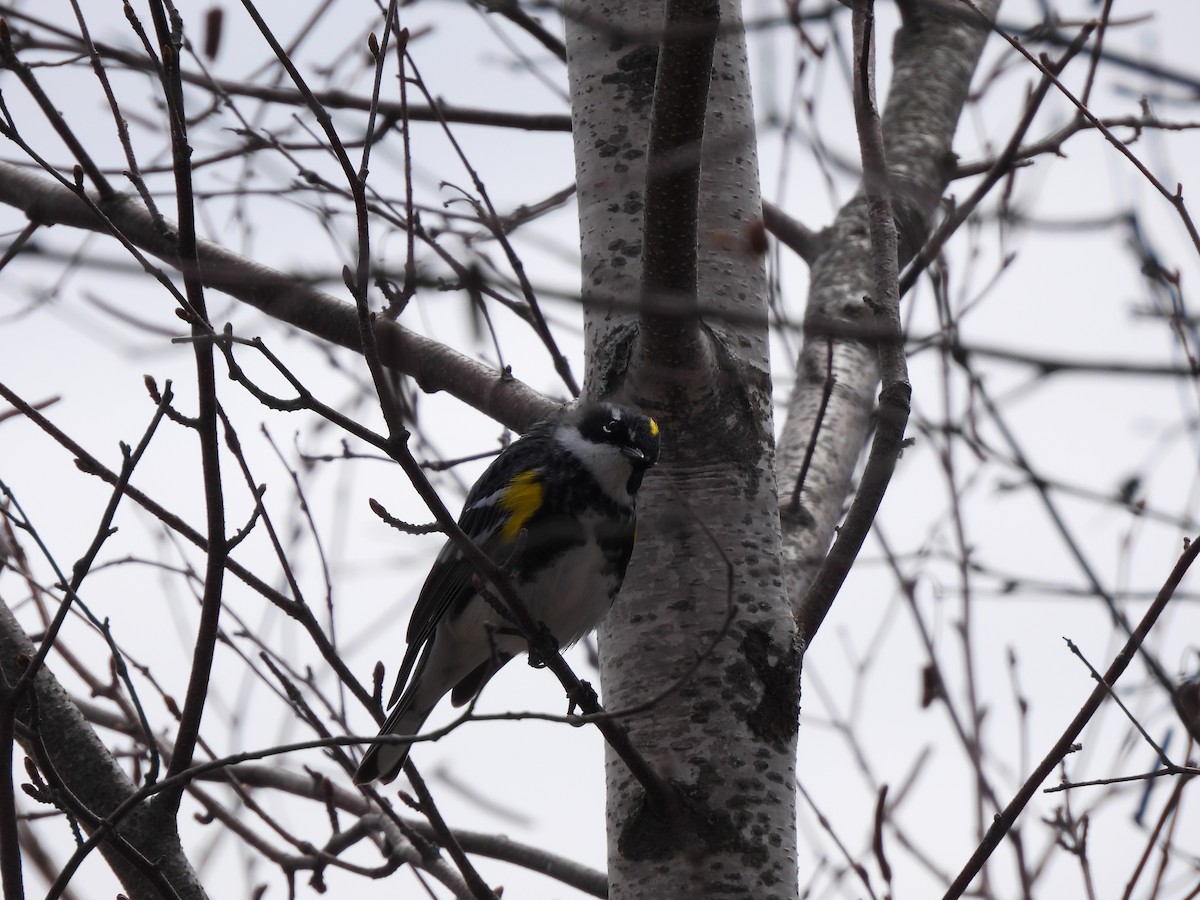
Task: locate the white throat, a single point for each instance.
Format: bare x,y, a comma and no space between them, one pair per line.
610,467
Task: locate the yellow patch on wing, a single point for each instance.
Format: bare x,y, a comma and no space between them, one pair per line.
653,428
521,500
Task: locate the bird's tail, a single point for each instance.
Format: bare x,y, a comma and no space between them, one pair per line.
384,761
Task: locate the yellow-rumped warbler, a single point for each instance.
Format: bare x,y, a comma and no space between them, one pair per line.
557,510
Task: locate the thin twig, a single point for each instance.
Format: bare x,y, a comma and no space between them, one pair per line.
445,836
1008,817
1175,198
170,37
1000,167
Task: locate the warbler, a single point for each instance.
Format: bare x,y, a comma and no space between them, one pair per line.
556,509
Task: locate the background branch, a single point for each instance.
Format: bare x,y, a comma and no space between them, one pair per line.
434,366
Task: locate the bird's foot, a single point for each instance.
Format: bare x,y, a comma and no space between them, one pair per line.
584,698
542,645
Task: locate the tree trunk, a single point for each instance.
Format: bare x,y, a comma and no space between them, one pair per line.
703,609
148,856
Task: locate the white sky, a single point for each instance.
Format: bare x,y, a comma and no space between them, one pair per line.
1066,295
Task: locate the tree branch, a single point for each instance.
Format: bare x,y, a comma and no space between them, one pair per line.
433,365
170,37
96,780
671,334
1000,167
896,392
330,99
796,236
559,868
1004,822
935,55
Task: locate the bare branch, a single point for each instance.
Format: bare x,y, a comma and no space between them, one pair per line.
435,366
1007,819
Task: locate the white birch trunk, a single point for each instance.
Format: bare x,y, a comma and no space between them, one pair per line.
933,65
727,736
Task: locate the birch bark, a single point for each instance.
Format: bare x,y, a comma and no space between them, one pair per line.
704,605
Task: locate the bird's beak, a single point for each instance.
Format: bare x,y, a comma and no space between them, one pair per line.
634,453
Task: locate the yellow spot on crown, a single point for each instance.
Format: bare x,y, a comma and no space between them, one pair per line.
653,428
521,499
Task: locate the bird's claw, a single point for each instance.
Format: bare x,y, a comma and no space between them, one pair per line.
583,698
542,646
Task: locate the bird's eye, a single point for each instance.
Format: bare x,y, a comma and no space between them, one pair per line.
608,427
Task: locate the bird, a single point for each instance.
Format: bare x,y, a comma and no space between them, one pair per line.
557,510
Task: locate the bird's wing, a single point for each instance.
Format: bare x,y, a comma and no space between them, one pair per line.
490,525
